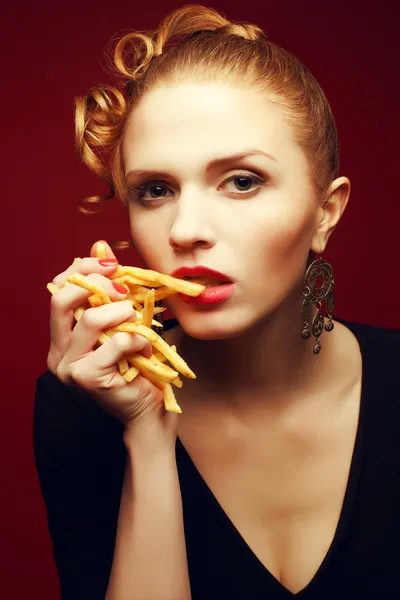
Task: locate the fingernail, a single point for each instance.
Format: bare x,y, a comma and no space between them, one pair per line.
108,262
120,288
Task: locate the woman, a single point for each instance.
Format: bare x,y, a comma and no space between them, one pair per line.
281,476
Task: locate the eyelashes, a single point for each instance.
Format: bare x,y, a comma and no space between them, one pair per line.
139,191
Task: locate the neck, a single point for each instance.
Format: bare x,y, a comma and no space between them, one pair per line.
269,360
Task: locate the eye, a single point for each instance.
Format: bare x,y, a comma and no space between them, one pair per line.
156,190
244,182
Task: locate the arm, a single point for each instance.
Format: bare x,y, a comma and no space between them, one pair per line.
80,460
150,555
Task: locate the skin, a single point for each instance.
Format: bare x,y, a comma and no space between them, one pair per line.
260,235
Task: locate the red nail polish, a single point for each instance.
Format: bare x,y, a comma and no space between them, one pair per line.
108,262
121,289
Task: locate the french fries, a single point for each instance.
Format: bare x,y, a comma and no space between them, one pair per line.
144,288
159,279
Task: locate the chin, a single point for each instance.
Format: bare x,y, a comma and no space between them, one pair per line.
211,324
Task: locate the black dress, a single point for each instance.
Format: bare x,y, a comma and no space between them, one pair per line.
80,458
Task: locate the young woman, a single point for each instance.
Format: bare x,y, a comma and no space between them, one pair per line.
281,476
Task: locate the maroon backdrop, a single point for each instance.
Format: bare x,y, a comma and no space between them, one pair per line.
52,52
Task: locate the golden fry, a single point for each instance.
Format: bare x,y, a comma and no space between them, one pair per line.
177,382
159,356
160,344
156,323
163,292
155,379
103,338
157,311
130,280
139,291
123,366
170,402
83,282
134,302
146,366
154,358
94,300
78,312
148,309
136,328
153,322
131,374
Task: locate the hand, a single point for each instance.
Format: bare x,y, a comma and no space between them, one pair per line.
73,360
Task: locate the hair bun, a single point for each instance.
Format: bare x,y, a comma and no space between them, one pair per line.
245,30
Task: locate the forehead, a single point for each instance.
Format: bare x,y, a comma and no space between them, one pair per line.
193,121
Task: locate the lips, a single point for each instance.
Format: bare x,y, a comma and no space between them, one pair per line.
209,277
207,281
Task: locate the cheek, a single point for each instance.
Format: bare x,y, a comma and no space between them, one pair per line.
149,236
275,251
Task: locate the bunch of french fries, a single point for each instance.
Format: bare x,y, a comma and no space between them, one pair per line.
144,288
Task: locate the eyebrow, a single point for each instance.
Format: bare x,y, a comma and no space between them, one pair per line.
214,164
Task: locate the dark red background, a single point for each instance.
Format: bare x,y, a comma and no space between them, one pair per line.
51,52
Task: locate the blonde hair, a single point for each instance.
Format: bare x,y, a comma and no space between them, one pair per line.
199,44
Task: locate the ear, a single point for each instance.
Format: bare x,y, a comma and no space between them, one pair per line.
329,215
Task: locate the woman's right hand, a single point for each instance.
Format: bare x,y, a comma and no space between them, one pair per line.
138,405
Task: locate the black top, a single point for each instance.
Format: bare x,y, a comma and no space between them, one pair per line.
80,457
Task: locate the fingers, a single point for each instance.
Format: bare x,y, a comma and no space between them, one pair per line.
65,301
90,326
86,266
102,248
86,367
100,365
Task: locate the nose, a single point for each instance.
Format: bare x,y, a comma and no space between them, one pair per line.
192,226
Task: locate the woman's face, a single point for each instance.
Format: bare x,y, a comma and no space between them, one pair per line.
251,218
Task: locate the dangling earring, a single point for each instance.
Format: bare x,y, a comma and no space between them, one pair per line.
160,318
316,295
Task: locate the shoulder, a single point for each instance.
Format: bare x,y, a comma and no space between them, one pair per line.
382,341
380,351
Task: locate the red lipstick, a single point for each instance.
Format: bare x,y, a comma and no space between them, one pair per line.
219,286
200,271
